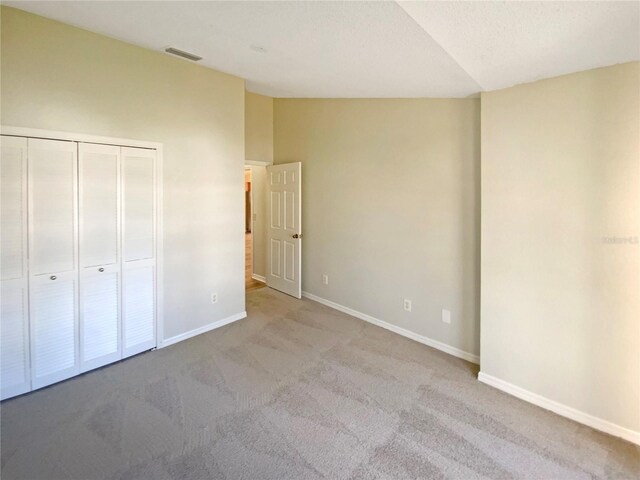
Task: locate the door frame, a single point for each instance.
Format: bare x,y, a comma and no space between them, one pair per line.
248,164
248,167
120,142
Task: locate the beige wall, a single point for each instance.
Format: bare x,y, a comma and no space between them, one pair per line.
390,198
259,147
62,78
258,127
560,175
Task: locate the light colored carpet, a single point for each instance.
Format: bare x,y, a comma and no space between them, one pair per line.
295,391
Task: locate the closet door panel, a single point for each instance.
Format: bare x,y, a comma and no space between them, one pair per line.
53,260
100,316
14,341
54,328
138,262
52,200
15,376
99,204
13,205
138,166
99,189
138,296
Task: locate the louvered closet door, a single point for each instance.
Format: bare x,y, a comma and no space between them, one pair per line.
53,260
100,279
14,327
138,250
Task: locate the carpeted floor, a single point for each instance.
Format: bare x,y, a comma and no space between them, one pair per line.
296,391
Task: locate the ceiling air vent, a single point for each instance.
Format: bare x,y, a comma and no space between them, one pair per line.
180,53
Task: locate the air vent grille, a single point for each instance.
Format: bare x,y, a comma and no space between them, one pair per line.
183,54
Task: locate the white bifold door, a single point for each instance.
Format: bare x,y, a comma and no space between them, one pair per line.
138,250
117,252
53,266
100,272
78,271
15,375
284,242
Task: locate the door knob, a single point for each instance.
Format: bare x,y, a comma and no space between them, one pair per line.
101,269
297,235
53,277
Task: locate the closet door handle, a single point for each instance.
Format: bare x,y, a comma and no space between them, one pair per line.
101,269
53,277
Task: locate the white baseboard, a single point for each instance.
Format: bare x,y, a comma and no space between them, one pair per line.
560,409
456,352
259,278
206,328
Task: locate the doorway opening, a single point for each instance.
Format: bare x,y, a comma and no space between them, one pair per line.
250,278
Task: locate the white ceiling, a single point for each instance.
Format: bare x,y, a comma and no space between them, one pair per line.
372,49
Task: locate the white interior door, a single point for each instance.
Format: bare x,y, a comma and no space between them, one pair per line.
53,260
15,377
284,237
138,250
100,277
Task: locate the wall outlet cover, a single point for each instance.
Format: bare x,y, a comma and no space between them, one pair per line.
446,316
407,305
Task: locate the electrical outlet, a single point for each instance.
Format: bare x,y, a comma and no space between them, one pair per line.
446,316
214,298
407,305
325,279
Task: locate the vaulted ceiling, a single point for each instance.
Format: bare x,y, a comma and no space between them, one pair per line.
372,49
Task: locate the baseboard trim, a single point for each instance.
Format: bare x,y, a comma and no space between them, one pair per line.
206,328
561,409
456,352
259,278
